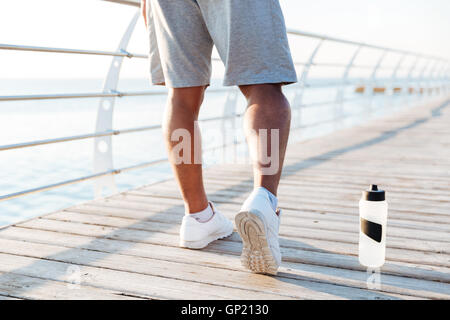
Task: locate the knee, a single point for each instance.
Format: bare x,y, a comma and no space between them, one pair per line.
269,98
255,91
188,99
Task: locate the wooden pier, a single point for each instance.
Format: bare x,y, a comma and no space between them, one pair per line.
126,246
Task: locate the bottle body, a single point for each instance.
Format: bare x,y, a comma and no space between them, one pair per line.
372,232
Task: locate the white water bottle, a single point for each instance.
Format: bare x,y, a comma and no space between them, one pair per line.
373,211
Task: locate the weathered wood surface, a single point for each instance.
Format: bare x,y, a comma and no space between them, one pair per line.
125,246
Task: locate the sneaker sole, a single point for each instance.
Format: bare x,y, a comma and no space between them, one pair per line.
256,254
200,244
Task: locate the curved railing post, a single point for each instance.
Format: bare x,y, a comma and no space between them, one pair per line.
397,67
103,156
394,77
229,116
298,98
410,90
446,78
372,80
429,78
438,75
420,79
310,63
341,90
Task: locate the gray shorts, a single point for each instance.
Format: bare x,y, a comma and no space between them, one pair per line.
250,37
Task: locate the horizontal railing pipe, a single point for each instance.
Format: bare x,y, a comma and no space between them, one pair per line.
100,134
78,180
118,94
72,51
356,43
134,3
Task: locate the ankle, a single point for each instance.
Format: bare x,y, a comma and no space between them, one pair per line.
272,198
204,215
195,206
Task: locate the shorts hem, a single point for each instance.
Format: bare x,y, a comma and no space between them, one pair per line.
283,81
187,84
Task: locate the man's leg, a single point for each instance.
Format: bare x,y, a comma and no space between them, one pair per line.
182,111
268,115
251,39
202,223
180,57
267,109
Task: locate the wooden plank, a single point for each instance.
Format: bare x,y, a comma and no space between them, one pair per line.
289,231
402,185
345,236
168,223
393,254
307,205
299,187
330,163
287,199
18,286
335,184
340,184
120,209
287,191
4,298
390,284
323,223
329,235
224,279
341,190
432,273
130,283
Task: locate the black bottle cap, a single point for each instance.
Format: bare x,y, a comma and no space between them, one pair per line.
373,194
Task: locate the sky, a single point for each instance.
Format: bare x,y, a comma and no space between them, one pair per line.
416,25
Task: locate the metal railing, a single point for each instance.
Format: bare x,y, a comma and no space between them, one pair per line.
435,70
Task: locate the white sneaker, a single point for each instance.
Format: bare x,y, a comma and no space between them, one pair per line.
197,235
258,227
